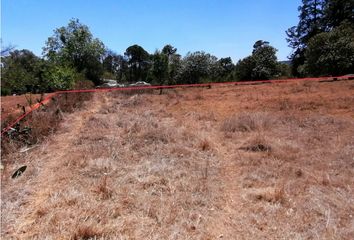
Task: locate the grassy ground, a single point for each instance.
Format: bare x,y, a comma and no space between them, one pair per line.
249,162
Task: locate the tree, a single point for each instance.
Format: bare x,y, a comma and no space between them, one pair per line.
337,12
200,67
169,50
284,70
159,69
244,68
174,62
74,45
121,68
138,62
317,17
196,67
227,68
174,68
265,60
310,23
21,72
109,62
331,53
262,64
259,44
5,50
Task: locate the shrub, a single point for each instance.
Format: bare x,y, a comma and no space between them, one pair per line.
5,91
60,77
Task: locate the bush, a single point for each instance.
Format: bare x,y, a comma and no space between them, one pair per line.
60,77
5,91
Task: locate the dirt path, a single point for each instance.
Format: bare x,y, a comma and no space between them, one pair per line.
48,160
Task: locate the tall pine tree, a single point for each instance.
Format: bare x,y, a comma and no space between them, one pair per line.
310,23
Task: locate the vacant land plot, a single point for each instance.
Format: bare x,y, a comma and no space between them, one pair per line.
250,162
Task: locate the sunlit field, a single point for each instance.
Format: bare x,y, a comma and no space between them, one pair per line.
271,161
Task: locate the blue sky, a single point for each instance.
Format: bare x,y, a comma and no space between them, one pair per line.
220,27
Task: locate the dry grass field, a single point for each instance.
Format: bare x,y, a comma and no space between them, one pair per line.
273,161
12,105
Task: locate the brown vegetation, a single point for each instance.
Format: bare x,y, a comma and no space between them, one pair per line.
13,105
40,123
271,161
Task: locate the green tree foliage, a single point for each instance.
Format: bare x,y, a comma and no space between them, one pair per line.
138,63
159,70
244,68
121,69
266,63
174,68
197,67
331,53
317,17
337,12
174,63
262,64
169,50
21,72
284,70
116,65
74,45
310,23
110,63
58,77
227,67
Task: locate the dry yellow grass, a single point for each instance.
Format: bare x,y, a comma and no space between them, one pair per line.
249,162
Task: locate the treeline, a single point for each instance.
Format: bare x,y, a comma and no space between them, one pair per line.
73,58
323,44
